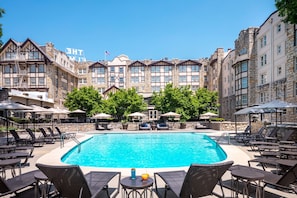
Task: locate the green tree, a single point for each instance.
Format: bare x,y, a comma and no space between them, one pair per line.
288,10
2,12
205,101
124,102
85,98
175,99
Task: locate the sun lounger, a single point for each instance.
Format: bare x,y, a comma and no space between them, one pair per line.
16,184
70,181
65,135
35,141
162,126
56,136
144,126
200,180
47,137
18,140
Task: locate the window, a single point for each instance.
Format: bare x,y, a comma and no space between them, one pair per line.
32,68
41,81
134,79
182,68
112,79
262,97
134,70
263,41
167,79
111,69
100,70
167,69
278,49
295,88
121,79
41,68
15,81
279,70
32,81
156,88
195,78
121,70
263,60
6,69
244,100
7,81
34,55
263,79
244,66
279,28
156,79
82,81
101,80
295,63
244,83
195,68
155,69
182,79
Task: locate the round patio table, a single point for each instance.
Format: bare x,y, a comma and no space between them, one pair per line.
10,164
247,175
137,187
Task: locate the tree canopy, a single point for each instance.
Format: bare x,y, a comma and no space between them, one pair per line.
124,102
183,101
2,12
86,98
288,10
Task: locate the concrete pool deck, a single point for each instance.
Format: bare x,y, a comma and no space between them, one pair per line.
52,153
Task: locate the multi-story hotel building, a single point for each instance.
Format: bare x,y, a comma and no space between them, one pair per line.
264,67
261,67
34,74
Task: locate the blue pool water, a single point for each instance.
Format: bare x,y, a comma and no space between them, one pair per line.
146,150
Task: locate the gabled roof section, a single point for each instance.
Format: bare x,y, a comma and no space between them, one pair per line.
111,88
190,62
137,63
97,64
161,63
7,43
28,40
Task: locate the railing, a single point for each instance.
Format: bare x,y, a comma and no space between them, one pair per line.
72,137
223,138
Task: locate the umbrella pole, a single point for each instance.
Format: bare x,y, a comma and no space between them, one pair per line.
6,117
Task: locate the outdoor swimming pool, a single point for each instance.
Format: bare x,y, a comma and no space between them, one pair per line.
145,150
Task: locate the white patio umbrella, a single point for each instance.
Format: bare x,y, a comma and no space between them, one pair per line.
277,104
137,114
78,111
171,114
9,105
101,116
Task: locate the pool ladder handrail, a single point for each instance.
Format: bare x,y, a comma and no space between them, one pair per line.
73,138
222,136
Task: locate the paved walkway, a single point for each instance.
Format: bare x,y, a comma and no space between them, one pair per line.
51,153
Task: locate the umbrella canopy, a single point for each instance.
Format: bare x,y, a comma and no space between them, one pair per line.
171,114
59,111
249,110
136,114
9,105
101,116
210,114
277,104
38,110
78,111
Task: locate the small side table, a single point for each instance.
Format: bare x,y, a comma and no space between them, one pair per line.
247,175
137,187
12,164
42,187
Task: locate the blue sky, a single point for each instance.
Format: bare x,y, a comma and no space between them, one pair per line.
140,29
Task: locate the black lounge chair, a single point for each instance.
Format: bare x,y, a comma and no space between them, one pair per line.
65,135
200,180
34,139
47,137
280,182
70,181
18,183
18,140
56,136
162,126
144,126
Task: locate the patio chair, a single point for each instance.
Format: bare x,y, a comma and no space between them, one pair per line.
239,136
18,140
200,180
144,126
16,184
66,135
34,139
162,126
56,136
47,137
70,181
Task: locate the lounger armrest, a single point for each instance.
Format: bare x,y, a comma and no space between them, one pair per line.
279,186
